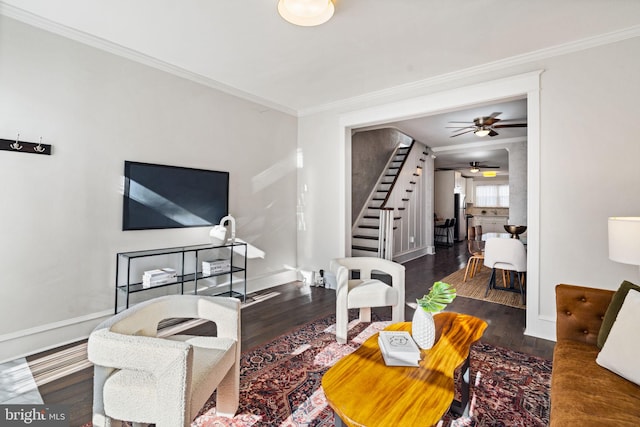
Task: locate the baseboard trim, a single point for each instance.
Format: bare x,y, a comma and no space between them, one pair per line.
26,342
408,256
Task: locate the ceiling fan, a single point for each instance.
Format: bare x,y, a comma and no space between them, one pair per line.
475,167
486,125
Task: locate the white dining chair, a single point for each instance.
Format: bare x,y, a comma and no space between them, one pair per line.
508,255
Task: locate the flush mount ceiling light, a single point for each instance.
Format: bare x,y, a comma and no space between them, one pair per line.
489,174
306,13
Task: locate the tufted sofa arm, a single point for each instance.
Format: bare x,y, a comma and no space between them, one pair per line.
579,312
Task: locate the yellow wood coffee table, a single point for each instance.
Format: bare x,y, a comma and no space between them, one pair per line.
363,391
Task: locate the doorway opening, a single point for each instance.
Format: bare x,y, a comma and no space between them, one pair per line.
526,86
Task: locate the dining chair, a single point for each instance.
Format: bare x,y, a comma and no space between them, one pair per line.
509,255
475,260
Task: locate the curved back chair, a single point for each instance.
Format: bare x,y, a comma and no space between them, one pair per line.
366,292
142,378
474,263
509,255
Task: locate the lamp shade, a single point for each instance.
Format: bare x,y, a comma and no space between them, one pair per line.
306,13
624,240
482,131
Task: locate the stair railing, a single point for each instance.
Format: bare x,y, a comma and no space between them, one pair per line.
385,237
395,179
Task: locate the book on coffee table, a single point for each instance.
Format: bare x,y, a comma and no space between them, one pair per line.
398,348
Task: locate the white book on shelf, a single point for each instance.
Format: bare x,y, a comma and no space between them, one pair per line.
398,348
154,273
216,263
170,272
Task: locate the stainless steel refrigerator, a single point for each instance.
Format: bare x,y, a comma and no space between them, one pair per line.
460,214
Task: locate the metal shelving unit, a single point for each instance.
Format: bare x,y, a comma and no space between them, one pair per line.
187,261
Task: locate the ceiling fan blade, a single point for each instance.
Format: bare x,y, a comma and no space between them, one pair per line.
493,133
459,127
494,115
514,125
488,167
462,133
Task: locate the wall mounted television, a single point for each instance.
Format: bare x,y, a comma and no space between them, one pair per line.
161,196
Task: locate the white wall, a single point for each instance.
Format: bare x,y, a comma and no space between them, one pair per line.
584,148
444,184
518,184
60,222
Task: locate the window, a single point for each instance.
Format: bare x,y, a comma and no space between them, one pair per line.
492,196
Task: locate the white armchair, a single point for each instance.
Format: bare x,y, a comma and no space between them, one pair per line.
365,292
141,378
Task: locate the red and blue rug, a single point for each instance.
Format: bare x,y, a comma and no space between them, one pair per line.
280,382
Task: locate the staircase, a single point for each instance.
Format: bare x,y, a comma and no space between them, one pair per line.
366,230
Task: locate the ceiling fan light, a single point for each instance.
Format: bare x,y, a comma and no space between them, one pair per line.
482,131
306,13
474,170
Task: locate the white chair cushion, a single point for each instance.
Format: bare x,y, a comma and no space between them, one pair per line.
212,359
371,293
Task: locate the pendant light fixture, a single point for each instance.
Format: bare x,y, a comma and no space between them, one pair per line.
306,13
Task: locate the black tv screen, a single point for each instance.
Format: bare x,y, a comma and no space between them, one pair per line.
160,196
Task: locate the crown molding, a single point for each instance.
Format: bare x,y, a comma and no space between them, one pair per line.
500,143
525,58
133,55
347,103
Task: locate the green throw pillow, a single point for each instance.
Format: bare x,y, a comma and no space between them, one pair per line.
612,311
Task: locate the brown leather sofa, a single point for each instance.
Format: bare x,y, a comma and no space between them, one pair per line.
582,392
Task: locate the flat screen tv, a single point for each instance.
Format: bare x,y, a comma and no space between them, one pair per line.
161,196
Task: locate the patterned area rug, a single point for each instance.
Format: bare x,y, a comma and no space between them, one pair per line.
281,382
476,287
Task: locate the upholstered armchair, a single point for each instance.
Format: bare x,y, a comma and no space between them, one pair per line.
366,292
142,378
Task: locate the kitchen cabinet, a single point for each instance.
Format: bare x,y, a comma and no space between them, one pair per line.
491,224
459,183
471,191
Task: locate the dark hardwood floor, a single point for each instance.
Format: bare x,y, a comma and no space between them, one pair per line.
296,305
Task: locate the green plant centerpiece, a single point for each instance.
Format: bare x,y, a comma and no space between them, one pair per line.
439,296
423,328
